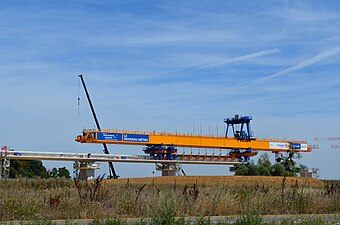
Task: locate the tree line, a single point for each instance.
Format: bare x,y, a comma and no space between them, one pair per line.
35,169
284,166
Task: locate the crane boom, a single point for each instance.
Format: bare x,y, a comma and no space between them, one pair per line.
90,103
105,150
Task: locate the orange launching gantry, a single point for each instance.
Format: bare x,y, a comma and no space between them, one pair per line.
241,145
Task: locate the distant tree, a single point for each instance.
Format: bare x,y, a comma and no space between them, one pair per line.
264,165
264,171
35,169
60,172
241,170
53,172
27,168
303,168
253,170
264,161
278,170
290,165
63,172
286,167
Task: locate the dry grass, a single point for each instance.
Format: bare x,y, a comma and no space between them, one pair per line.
222,180
156,197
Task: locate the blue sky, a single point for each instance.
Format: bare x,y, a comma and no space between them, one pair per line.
170,66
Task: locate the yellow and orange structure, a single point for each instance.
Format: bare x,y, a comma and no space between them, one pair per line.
164,146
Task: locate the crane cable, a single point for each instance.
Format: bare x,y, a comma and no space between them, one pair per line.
78,97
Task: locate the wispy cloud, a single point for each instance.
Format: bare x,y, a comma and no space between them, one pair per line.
241,58
305,63
304,13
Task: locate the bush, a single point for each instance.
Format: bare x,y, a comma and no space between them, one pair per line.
242,170
264,171
278,170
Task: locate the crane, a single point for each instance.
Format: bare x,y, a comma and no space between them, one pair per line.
105,150
331,143
327,139
161,145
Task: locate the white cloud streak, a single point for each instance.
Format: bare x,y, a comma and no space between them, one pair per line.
241,58
304,13
305,63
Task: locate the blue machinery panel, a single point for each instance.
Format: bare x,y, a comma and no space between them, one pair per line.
136,138
120,137
109,136
295,146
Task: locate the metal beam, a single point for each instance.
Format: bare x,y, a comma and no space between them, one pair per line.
89,157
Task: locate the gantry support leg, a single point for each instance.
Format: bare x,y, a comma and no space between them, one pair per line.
84,170
169,169
4,167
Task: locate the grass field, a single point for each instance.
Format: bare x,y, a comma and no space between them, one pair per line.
241,220
162,197
231,181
